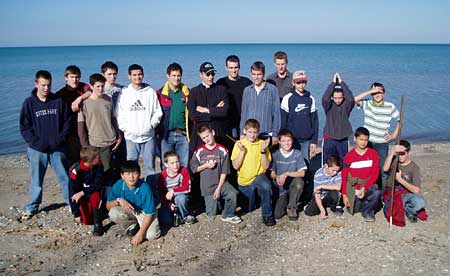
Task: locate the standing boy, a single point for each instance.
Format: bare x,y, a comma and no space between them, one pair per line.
377,119
73,93
138,113
327,184
132,204
251,158
338,102
282,78
407,182
173,187
359,175
173,129
44,124
211,161
287,172
112,89
260,101
86,187
299,114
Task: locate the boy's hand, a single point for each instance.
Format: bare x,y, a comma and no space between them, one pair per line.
216,194
210,164
281,179
172,206
362,193
137,239
126,206
389,137
346,201
265,144
118,141
76,105
399,148
398,176
376,90
221,104
202,109
312,149
241,146
337,78
274,141
169,195
76,197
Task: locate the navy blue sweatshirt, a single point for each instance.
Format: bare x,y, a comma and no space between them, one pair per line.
45,125
299,114
83,178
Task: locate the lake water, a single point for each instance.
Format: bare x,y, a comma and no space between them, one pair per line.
419,72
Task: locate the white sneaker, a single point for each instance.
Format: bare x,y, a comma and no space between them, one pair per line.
234,219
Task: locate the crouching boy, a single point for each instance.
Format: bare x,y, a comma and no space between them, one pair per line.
359,175
132,204
327,184
85,188
211,161
251,158
287,171
173,187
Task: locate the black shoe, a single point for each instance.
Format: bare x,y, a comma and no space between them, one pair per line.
337,211
411,218
98,227
269,220
132,230
98,230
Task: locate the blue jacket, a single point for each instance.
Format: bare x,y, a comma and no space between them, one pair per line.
45,125
299,114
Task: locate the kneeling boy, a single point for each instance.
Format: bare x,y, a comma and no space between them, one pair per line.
211,161
251,158
173,188
132,204
85,187
359,175
327,184
287,171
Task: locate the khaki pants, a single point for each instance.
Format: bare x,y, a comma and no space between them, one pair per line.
119,216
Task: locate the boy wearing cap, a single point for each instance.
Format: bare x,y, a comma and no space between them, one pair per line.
377,119
299,114
208,103
282,78
260,101
338,103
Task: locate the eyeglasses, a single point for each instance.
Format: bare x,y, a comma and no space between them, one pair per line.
210,74
301,82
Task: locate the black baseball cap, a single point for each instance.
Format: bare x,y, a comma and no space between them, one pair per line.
207,67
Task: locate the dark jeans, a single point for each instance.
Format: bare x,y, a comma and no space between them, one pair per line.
369,202
336,147
330,200
229,194
382,149
263,186
288,195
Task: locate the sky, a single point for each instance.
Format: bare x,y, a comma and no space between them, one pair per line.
118,22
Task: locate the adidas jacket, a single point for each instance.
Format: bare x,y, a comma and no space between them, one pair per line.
138,113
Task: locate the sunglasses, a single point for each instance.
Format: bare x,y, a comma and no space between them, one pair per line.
301,82
210,74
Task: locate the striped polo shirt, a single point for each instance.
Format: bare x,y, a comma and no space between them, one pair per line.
377,119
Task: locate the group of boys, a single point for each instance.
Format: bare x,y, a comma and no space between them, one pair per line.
270,126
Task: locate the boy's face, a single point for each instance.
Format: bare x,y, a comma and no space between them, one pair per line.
130,178
286,143
172,164
257,77
361,141
300,86
338,98
174,78
136,77
95,162
110,76
43,86
207,137
251,134
233,69
403,156
378,97
331,170
281,65
98,88
207,78
72,80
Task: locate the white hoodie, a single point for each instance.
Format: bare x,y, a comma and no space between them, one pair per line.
138,113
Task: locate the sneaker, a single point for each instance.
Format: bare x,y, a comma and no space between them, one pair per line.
411,218
177,220
190,219
269,220
369,218
27,214
98,230
292,214
338,211
133,229
234,219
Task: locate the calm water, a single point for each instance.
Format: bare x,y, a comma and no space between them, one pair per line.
419,72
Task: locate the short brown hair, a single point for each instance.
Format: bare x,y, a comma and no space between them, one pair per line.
258,66
280,55
251,123
89,153
72,70
170,153
286,133
334,160
203,127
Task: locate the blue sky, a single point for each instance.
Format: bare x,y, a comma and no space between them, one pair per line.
82,22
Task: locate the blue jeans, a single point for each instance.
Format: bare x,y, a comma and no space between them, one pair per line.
229,194
264,187
304,147
166,215
147,149
382,149
369,202
336,147
38,166
177,142
413,203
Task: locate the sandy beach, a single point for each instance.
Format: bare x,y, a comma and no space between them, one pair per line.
52,244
